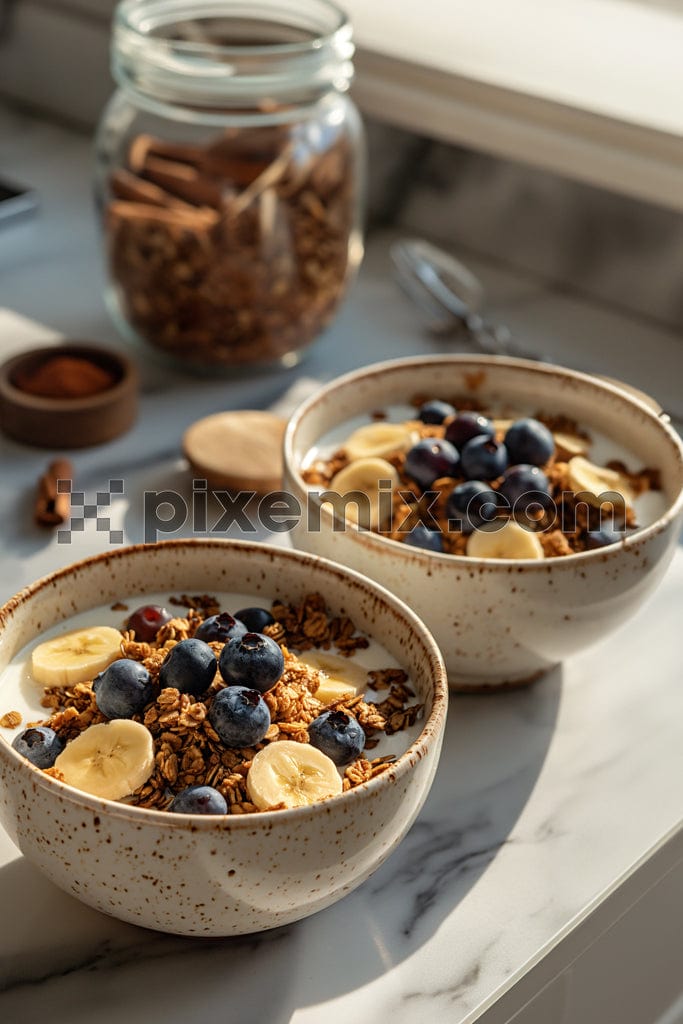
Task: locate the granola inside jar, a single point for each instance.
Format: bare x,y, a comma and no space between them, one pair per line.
230,169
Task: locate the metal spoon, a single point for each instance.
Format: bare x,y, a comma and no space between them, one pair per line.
452,297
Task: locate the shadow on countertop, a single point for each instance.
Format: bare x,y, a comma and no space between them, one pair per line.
61,953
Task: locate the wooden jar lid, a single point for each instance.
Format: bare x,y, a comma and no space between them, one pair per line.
238,451
46,422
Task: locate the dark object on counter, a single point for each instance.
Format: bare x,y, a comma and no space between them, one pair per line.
93,399
15,200
53,504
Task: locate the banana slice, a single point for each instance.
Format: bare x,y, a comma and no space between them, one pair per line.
509,541
365,475
110,760
76,656
293,774
569,445
339,677
380,439
594,481
332,689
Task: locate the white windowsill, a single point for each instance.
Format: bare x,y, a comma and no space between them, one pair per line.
590,88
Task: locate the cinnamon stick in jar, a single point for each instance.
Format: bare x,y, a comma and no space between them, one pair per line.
52,506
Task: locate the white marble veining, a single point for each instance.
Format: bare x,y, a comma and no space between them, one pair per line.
542,799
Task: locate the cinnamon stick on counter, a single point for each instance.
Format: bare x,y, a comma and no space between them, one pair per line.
52,507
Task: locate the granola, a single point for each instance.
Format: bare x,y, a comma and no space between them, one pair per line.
574,519
234,252
187,749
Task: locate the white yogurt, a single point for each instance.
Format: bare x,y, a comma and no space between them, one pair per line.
20,692
649,506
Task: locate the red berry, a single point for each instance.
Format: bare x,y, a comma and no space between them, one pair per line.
146,622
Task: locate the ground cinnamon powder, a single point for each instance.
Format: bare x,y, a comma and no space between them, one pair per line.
65,377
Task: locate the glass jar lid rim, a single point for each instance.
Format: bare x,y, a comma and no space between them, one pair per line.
173,51
131,15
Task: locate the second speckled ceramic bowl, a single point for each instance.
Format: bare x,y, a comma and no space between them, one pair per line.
500,622
195,875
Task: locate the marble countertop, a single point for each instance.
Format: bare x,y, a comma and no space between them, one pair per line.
543,799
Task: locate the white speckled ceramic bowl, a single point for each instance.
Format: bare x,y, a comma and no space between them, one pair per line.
497,621
195,875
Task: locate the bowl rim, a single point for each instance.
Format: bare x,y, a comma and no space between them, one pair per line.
465,562
430,733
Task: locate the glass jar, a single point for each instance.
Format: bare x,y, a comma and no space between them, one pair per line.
230,173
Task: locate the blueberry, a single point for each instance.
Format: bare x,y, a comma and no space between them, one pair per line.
530,442
255,619
252,660
435,411
430,459
40,745
483,458
471,505
338,735
524,486
123,689
199,800
467,425
520,478
602,537
190,667
240,716
422,537
147,621
220,628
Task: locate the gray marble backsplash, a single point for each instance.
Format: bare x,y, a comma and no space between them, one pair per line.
623,252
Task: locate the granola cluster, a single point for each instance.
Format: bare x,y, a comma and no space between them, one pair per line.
188,751
10,720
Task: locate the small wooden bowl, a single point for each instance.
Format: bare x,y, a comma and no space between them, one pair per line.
68,422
